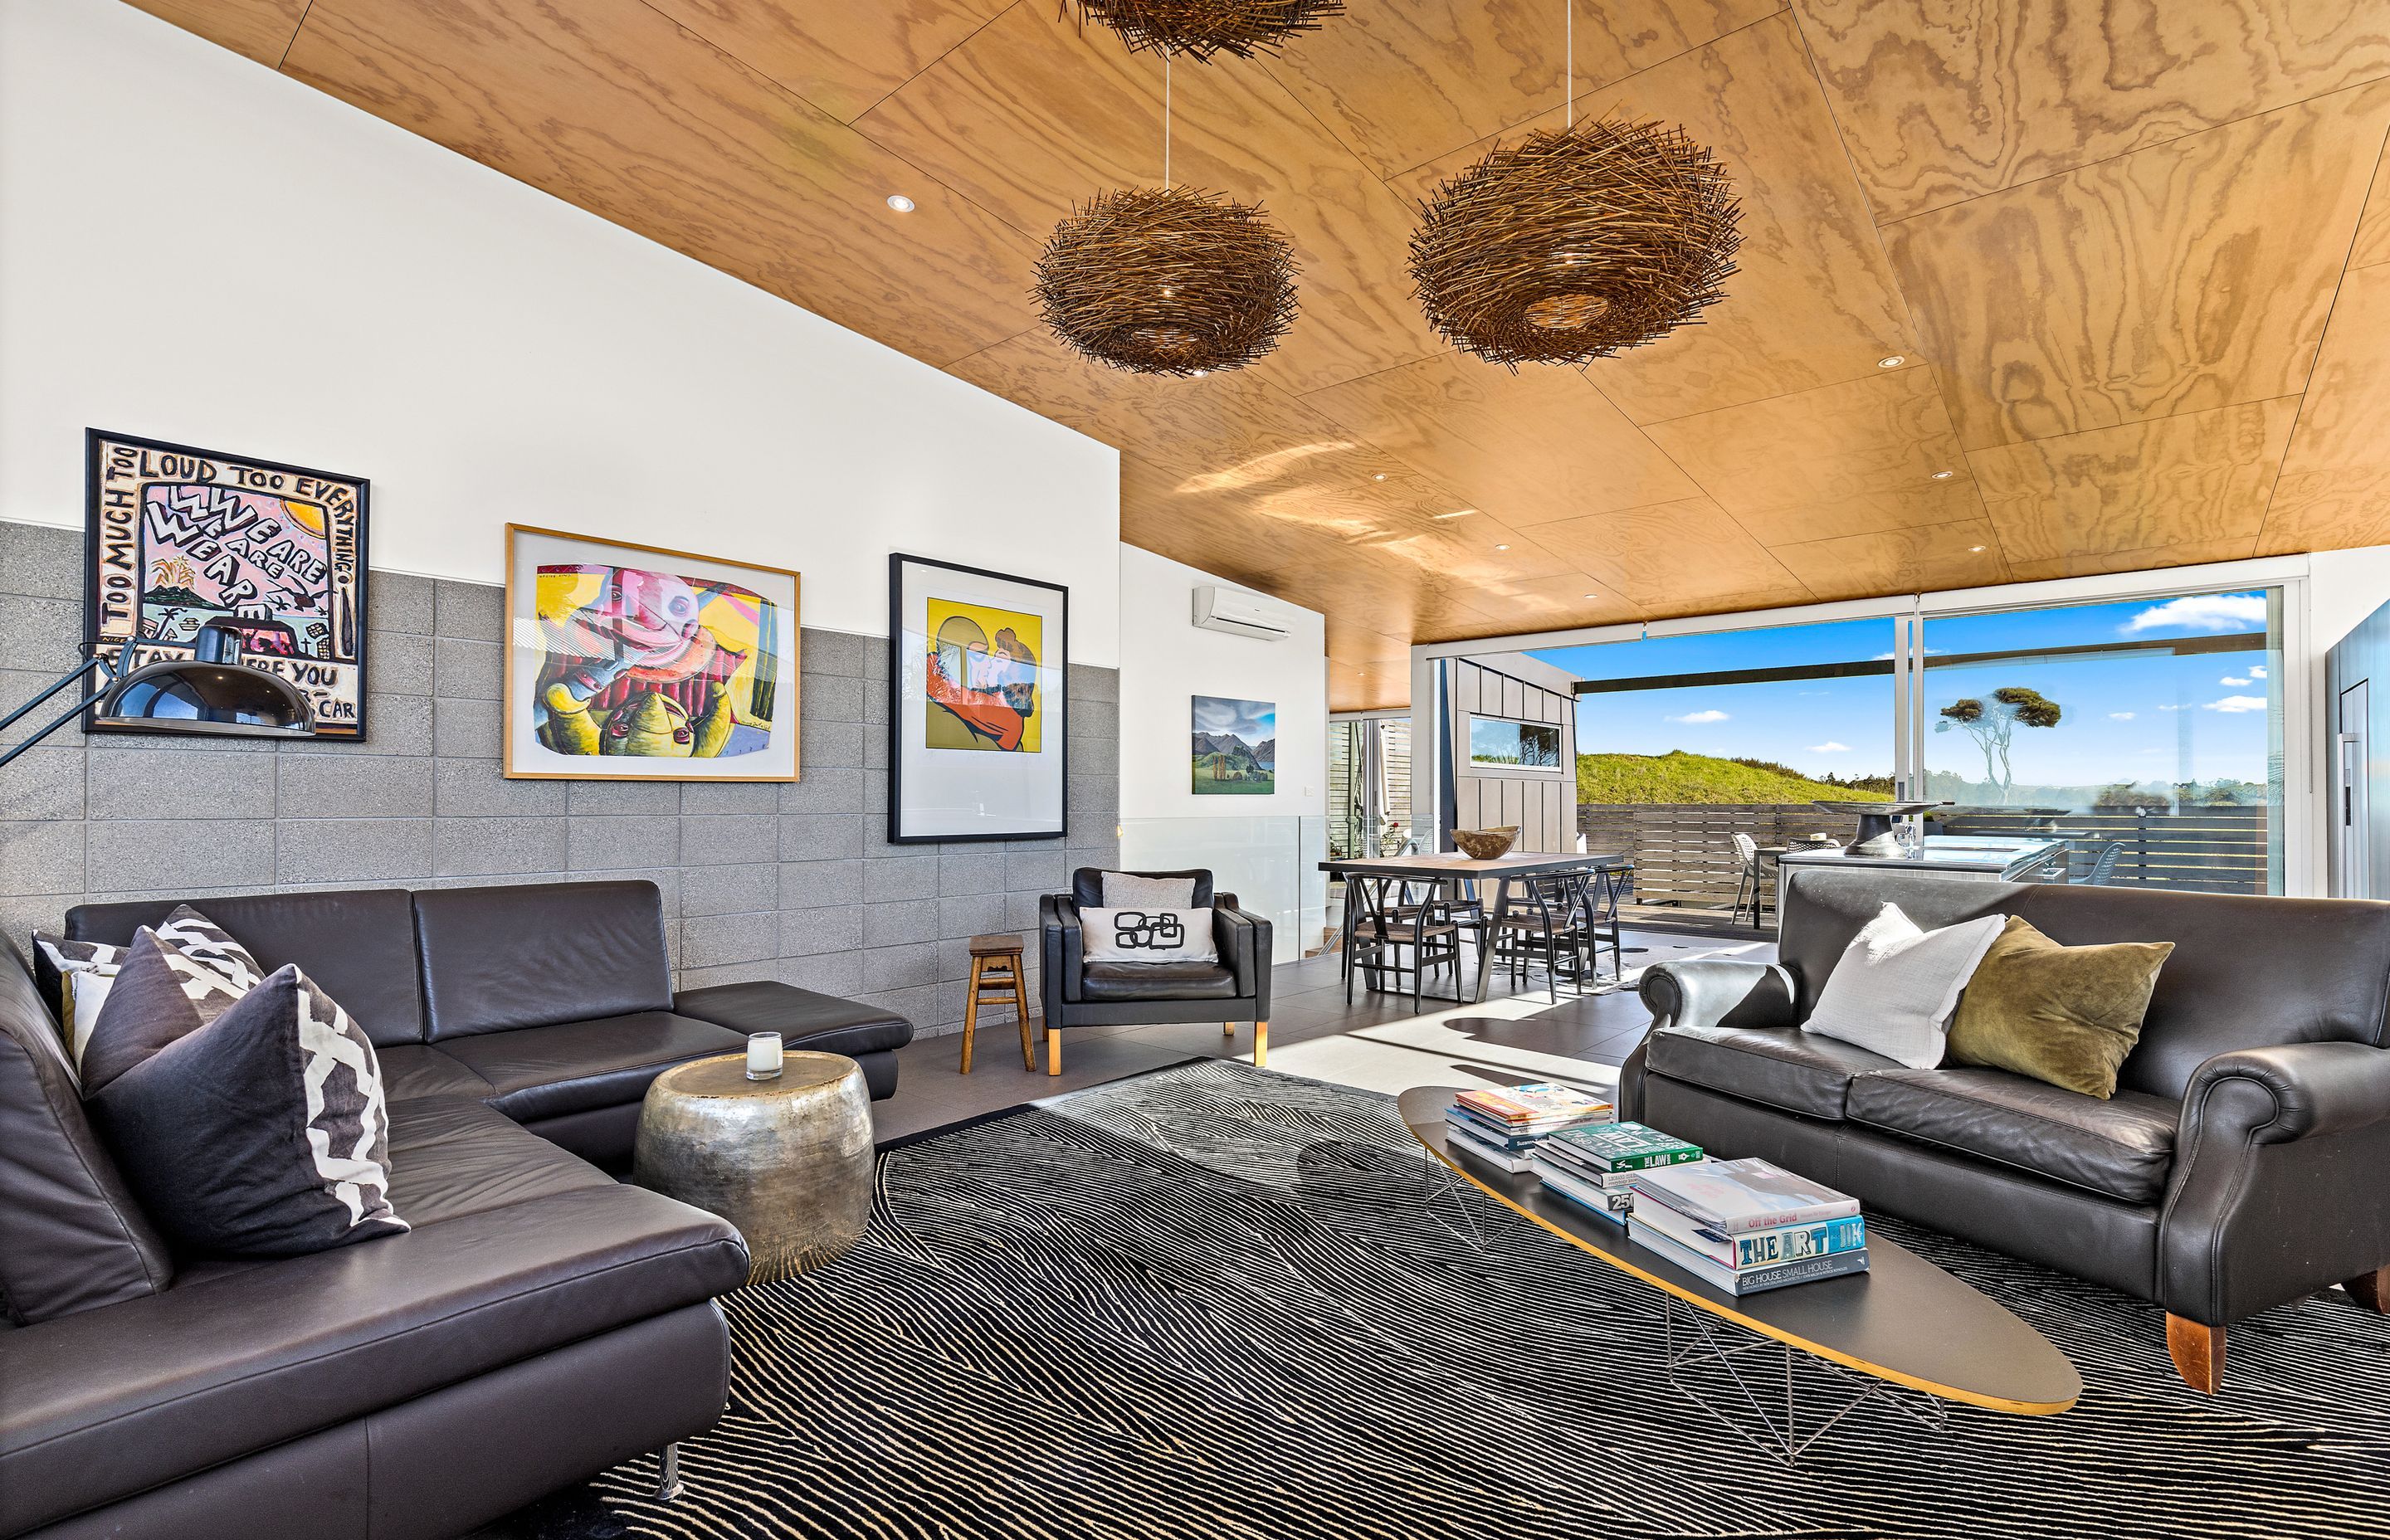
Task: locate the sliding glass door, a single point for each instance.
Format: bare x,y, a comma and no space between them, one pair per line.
2147,732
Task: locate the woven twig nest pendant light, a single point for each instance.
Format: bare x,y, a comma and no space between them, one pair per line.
1200,28
1167,280
1567,246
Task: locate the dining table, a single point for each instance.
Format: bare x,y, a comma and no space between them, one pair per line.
1455,869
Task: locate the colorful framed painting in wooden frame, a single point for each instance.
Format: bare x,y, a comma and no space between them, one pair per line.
635,663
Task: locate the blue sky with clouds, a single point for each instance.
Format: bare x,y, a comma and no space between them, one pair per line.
2146,717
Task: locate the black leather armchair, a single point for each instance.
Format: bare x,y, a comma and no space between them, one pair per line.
1076,993
2239,1166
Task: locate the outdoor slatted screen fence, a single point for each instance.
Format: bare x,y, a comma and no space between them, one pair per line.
1684,852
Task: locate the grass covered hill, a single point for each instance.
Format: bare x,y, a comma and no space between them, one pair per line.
1683,777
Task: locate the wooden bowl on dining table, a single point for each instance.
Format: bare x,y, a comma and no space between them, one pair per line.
1485,844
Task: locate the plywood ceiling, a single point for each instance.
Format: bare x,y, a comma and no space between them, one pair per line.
2134,257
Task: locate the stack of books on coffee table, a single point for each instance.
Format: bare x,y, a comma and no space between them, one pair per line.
1505,1124
1596,1168
1742,1226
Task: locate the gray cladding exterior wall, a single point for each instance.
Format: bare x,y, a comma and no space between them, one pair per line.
794,882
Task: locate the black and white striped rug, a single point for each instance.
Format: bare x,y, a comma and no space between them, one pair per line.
1210,1301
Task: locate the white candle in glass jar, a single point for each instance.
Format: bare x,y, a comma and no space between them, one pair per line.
762,1055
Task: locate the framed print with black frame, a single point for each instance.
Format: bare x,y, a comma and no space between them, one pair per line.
979,669
177,536
634,662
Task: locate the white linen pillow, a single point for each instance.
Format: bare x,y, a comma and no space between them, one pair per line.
1895,986
1147,935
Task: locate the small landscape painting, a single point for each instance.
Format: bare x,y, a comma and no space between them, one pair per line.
1236,747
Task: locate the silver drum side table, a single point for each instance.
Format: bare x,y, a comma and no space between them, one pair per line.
788,1160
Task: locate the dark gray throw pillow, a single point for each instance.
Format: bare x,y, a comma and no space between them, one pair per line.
72,1237
160,993
262,1132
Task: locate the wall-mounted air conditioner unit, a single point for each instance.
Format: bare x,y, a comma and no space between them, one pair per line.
1218,609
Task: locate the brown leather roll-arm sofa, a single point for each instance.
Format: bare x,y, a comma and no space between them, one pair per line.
539,1322
2244,1161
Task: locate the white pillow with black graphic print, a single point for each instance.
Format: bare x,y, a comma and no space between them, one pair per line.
1148,935
82,971
264,1131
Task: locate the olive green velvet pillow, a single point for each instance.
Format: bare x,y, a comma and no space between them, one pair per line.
2067,1015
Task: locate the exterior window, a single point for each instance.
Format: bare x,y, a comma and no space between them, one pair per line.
1530,745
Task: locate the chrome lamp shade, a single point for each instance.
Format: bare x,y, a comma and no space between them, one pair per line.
212,692
186,696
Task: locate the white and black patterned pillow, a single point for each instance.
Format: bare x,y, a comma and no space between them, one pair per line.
202,939
1147,935
263,1132
80,973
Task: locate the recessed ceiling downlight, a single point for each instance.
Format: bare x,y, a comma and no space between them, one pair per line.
900,204
1894,362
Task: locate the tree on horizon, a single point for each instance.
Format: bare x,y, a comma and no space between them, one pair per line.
1993,725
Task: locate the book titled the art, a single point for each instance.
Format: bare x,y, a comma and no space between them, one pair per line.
1766,1247
1732,1197
1751,1280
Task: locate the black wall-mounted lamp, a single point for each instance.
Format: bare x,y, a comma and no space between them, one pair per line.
212,691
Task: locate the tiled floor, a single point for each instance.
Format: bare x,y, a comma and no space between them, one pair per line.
1376,1042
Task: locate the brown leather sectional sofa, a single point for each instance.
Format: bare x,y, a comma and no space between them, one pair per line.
541,1321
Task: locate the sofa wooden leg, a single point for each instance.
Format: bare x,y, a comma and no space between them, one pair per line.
1261,1044
1227,1029
1053,1051
2198,1353
2371,1290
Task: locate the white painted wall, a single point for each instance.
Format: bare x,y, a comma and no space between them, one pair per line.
1165,661
1259,847
193,248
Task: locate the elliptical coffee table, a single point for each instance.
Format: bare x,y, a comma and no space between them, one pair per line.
1904,1324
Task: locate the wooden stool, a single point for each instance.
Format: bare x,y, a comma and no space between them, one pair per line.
996,978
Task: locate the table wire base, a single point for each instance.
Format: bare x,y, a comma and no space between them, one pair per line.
1700,1342
1438,1180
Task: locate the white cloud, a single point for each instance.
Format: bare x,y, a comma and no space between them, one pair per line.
1697,718
2236,703
2122,716
1830,747
2207,612
2174,708
2236,684
2257,670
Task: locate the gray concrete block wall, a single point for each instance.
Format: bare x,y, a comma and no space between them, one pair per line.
795,882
